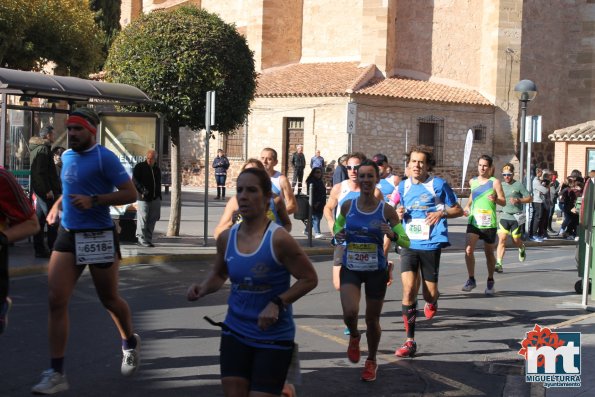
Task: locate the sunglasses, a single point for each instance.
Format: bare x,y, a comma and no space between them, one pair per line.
352,167
505,175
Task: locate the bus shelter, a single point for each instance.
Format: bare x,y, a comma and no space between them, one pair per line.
30,101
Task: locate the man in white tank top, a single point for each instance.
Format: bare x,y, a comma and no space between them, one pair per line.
281,185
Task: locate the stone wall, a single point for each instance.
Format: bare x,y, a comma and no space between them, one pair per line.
391,127
332,30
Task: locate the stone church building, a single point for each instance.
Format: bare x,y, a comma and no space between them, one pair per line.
383,75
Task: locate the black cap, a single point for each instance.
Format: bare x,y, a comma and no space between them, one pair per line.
380,159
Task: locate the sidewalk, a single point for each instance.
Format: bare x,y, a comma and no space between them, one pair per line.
189,245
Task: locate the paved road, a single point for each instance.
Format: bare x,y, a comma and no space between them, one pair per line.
469,349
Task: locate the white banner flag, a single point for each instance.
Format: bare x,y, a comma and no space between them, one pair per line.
467,155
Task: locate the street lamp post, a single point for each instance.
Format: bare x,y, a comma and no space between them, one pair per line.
526,90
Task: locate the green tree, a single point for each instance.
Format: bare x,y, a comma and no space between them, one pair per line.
176,57
107,16
34,32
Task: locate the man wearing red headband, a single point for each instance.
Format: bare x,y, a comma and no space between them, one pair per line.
86,236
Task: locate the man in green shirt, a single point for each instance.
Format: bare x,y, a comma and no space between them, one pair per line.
486,192
513,216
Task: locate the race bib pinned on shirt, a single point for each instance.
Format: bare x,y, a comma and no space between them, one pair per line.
92,247
362,257
520,217
417,229
483,217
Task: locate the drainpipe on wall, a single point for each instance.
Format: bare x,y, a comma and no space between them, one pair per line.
245,148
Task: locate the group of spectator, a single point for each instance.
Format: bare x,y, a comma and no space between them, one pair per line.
549,192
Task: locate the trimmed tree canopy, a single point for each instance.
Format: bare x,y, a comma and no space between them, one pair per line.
177,56
34,32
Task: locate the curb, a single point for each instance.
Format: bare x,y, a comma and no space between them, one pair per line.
210,256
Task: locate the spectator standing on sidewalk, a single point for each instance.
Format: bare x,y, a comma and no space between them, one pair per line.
340,173
298,162
318,198
568,197
486,192
93,178
57,154
317,161
512,217
259,258
147,179
17,221
555,188
540,193
45,183
221,164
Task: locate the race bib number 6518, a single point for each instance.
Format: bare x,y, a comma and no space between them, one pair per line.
94,247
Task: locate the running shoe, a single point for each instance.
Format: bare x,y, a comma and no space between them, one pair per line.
353,353
131,359
536,239
499,267
51,382
346,331
319,235
369,372
522,253
407,350
490,290
4,309
430,310
469,285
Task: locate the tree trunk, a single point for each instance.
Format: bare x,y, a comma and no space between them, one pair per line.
173,228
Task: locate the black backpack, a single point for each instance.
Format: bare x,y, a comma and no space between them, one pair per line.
303,206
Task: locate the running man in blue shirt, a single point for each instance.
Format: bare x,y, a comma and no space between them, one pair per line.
93,179
426,202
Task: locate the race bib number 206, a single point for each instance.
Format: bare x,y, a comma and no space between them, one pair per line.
94,247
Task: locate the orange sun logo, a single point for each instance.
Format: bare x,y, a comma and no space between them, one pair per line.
540,337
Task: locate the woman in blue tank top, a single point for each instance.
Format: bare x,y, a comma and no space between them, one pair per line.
364,222
259,257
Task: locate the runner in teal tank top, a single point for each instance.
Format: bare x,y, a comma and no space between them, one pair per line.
486,192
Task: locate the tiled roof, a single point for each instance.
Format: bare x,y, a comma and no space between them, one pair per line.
310,79
344,78
426,91
576,133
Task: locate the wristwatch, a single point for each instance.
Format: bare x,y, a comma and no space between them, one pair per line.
94,200
279,302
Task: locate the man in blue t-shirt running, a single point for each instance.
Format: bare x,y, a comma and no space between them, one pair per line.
93,179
